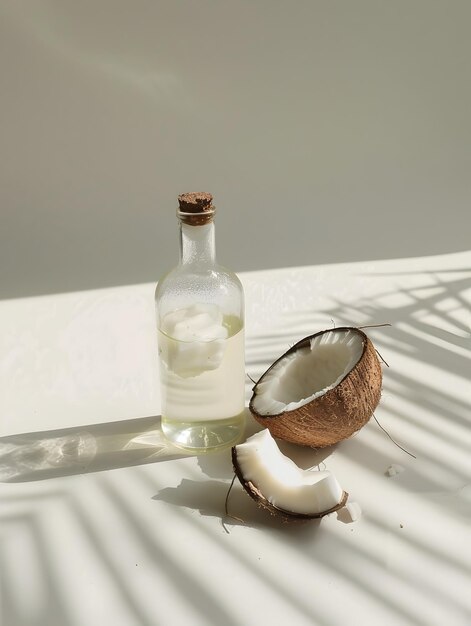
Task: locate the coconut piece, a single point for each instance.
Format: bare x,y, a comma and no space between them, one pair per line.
194,341
274,481
322,390
394,469
351,512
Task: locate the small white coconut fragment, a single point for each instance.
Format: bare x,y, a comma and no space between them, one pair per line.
351,512
394,469
278,484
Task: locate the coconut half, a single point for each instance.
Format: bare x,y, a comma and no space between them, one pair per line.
275,482
322,390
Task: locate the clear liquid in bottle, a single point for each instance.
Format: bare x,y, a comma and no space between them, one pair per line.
202,383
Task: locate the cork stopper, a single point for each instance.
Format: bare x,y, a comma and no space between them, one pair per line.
196,208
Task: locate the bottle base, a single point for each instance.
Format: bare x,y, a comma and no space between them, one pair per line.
205,436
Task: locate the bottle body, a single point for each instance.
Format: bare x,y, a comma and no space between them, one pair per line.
200,322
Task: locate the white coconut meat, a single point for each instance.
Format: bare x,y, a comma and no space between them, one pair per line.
282,483
309,372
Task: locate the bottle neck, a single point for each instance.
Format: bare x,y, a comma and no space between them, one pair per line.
197,244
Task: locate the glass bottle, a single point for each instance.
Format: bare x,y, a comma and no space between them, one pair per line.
200,320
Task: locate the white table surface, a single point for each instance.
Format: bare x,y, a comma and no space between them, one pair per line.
101,522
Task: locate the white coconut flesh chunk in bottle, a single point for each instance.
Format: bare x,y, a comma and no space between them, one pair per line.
277,483
308,373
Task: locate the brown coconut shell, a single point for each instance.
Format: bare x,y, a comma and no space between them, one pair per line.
337,414
262,501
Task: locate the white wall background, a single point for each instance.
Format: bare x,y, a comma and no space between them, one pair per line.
327,131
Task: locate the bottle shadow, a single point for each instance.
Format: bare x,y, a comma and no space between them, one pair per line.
97,447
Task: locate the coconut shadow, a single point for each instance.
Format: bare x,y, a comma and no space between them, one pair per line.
209,498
